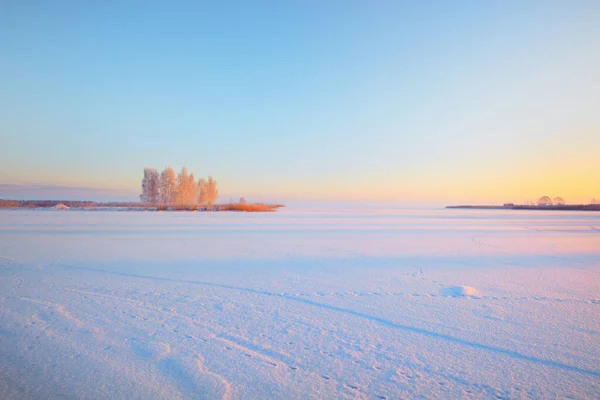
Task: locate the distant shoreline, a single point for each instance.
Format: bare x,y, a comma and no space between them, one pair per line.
133,206
568,207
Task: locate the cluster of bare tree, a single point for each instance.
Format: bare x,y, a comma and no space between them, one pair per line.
547,201
167,187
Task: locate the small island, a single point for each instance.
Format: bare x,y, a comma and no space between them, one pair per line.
161,191
88,205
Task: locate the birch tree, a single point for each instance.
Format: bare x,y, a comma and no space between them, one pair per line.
167,186
191,189
187,190
213,192
182,179
203,189
209,193
150,186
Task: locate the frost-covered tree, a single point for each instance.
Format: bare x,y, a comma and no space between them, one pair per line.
186,187
167,186
182,179
192,189
150,186
209,193
213,191
202,190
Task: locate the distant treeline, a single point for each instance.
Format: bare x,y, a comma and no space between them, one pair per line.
68,203
568,207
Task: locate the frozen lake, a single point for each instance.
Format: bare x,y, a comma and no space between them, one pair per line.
299,304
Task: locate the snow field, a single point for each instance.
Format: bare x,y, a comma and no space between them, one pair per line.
299,304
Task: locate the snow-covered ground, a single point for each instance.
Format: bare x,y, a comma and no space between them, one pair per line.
299,304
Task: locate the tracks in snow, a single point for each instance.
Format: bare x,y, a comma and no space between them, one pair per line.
371,318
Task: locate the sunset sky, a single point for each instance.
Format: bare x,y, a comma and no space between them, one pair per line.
420,101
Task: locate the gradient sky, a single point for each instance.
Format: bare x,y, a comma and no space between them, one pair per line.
450,101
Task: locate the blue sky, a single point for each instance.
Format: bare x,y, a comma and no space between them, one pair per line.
407,101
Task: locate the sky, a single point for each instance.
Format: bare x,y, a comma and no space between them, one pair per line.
397,101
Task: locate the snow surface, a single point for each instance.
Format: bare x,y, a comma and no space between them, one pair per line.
299,304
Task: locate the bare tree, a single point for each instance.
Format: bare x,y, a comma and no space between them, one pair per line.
213,192
209,193
182,186
544,201
203,190
167,186
150,186
187,190
191,189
